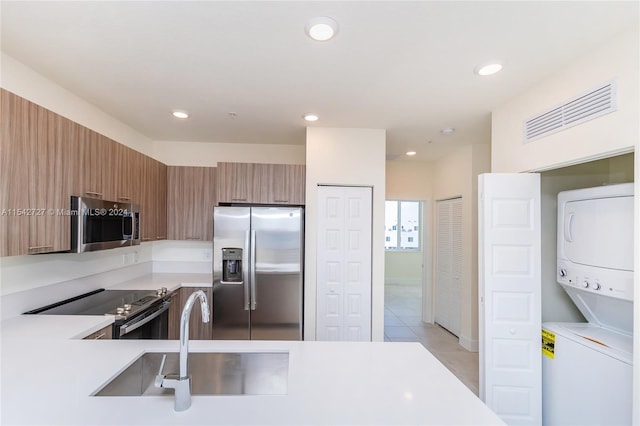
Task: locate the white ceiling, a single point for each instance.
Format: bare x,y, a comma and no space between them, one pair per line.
403,66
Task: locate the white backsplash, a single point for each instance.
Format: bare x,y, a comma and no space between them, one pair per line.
29,282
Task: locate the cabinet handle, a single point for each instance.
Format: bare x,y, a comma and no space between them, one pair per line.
39,247
99,336
124,198
239,199
281,201
99,194
164,237
146,239
194,238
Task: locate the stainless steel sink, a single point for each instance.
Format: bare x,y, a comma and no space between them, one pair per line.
212,373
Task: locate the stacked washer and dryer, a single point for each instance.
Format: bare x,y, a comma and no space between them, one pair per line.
587,367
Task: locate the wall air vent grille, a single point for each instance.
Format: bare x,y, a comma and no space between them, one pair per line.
583,108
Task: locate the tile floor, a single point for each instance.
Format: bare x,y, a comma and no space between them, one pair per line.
403,323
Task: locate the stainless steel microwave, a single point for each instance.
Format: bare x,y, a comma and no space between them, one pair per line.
100,224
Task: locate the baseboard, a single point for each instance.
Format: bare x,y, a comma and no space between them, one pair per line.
469,344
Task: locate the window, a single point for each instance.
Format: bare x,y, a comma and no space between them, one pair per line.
402,225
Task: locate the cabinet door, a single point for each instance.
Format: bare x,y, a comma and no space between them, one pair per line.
235,182
261,184
50,181
198,330
122,172
286,184
175,311
14,174
160,206
147,203
191,198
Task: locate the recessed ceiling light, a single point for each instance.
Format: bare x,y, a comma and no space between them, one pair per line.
180,114
488,69
410,153
447,130
321,28
310,117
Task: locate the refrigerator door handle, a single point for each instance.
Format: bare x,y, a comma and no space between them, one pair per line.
245,272
253,271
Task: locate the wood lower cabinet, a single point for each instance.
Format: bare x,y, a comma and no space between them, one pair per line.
105,333
261,183
197,329
191,196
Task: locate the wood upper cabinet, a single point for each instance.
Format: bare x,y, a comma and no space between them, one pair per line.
122,173
98,154
153,199
261,183
161,200
191,197
51,174
37,173
286,184
14,173
235,182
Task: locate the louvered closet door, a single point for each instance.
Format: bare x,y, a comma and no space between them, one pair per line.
344,263
448,263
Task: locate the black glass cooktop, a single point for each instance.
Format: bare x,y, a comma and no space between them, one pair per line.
100,302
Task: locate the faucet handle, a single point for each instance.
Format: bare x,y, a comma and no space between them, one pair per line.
160,376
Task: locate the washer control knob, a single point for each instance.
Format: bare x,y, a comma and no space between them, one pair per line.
596,286
585,284
563,272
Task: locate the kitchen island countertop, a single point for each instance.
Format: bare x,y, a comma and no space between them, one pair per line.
48,377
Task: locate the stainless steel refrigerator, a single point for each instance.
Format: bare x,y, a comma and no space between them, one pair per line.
257,273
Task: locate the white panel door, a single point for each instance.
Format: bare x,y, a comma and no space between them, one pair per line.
509,295
448,264
344,263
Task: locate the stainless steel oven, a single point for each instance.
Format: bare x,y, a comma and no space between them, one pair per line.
138,314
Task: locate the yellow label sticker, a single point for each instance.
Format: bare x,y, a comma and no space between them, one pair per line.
548,343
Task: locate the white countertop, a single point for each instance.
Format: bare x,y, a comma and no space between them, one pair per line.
48,376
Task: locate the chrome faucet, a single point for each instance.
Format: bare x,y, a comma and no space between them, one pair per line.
182,382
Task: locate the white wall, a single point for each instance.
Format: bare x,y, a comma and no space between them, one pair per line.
345,157
617,132
403,268
457,175
206,154
23,81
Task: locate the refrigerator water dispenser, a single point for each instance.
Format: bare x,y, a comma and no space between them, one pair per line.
232,266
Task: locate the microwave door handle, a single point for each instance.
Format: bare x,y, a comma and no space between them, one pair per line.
568,226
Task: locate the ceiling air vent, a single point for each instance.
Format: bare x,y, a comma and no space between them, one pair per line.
578,110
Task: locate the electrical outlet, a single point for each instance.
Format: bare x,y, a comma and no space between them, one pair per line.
206,255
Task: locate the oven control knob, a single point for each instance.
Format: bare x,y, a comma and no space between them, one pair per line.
127,307
161,291
119,311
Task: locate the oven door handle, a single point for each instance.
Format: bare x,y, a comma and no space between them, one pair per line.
126,328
